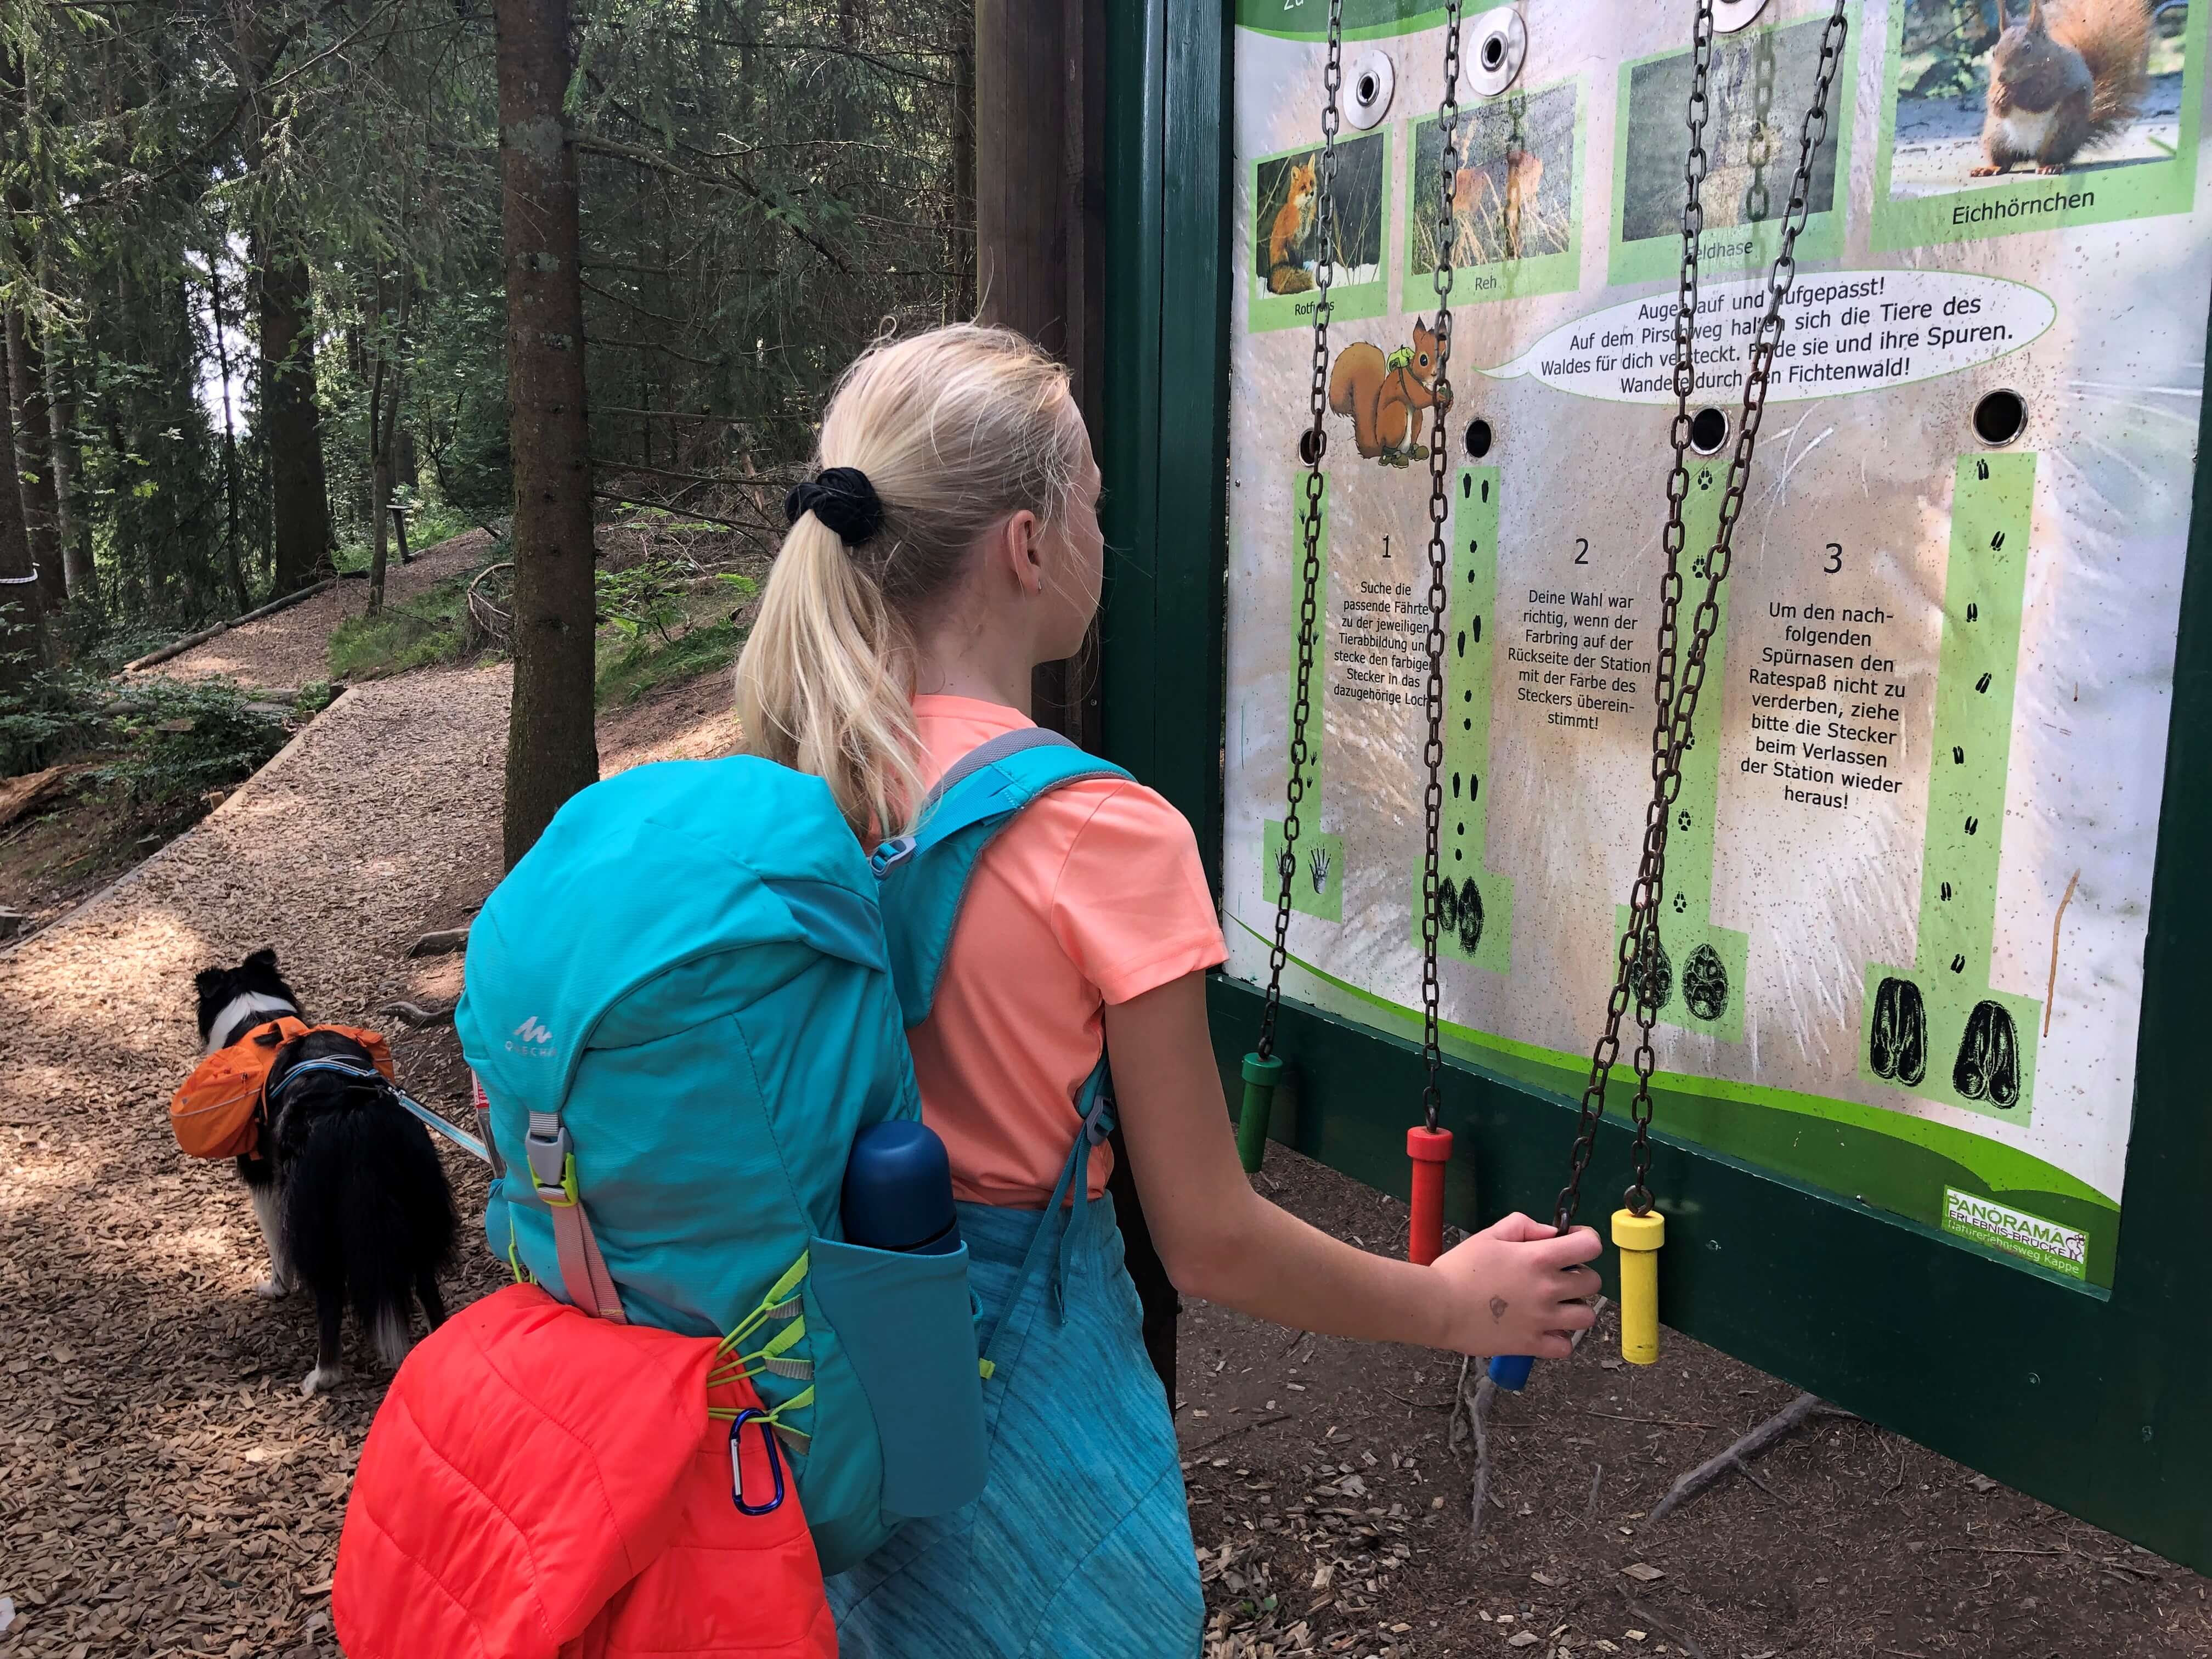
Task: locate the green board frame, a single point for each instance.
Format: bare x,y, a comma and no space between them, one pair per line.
2097,1401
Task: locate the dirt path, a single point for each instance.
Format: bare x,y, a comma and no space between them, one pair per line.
291,648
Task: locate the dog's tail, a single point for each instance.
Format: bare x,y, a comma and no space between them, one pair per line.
367,1199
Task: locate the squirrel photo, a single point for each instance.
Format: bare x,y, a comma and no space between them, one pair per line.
1385,396
1289,246
2058,86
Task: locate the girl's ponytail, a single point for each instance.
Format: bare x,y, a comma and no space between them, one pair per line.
819,688
955,430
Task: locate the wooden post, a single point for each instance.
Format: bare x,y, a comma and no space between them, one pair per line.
1040,247
1040,268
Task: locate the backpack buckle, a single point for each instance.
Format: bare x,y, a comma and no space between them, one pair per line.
548,1158
895,852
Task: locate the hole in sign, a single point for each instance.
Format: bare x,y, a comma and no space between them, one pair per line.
1709,430
1479,437
1309,448
1999,418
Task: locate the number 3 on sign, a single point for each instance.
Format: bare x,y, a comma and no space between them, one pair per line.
1835,558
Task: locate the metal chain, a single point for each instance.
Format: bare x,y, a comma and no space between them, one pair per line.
1316,448
1439,562
1676,706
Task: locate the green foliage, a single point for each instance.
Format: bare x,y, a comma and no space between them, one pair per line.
429,628
161,744
765,184
178,740
642,596
646,663
645,660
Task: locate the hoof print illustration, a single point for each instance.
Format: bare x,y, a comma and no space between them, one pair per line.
1704,983
1318,864
1468,923
1897,1046
1988,1067
1652,979
1447,905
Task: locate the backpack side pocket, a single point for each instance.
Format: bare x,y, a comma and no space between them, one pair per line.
909,1334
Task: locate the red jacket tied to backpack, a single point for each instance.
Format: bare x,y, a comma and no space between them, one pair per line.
542,1485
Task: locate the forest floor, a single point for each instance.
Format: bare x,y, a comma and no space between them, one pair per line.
166,1490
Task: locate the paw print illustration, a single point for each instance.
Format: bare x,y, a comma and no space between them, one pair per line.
1317,867
1681,904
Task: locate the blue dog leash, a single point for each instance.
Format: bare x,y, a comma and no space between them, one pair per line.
432,1121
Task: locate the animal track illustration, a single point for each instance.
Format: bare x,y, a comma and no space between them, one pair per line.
1704,983
1897,1045
1988,1067
1317,863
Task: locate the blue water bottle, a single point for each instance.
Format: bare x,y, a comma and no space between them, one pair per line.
898,1191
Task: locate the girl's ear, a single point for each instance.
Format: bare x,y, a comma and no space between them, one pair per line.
1016,547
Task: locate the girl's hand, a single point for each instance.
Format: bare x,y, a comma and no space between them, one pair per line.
1517,1287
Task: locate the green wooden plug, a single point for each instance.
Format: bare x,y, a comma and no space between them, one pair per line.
1260,1077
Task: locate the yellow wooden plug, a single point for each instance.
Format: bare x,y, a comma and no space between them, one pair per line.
1638,1238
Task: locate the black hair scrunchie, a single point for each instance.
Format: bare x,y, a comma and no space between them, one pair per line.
843,499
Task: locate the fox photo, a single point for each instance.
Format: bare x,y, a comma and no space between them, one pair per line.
1992,90
1762,82
1289,243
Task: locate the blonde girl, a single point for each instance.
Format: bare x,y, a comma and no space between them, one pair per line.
948,544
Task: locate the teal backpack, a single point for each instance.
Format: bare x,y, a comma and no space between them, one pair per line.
682,1006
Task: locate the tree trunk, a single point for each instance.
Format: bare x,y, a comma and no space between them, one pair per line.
552,749
406,469
380,479
22,610
1039,196
291,422
84,585
34,469
960,251
231,566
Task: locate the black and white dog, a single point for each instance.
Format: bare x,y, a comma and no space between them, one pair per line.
348,1191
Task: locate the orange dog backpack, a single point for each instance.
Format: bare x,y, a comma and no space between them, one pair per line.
218,1112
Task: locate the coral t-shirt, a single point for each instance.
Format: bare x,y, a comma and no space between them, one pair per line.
1094,895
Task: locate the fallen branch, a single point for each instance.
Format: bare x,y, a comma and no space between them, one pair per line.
1694,1485
417,1018
19,797
177,648
1231,1434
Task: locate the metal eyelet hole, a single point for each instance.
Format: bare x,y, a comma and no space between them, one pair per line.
1709,430
1494,52
1477,438
1309,451
1999,417
1372,82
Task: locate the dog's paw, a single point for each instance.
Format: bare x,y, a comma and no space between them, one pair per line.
271,1288
323,1377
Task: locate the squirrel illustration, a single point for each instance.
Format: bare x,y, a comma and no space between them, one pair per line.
1385,396
2060,86
1291,244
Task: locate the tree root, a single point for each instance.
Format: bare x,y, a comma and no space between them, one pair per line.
1701,1479
1471,1418
415,1017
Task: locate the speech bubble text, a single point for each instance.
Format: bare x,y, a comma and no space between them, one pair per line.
1844,332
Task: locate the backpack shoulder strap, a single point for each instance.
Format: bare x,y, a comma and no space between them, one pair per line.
922,878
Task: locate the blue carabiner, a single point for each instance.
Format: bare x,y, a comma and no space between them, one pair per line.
737,1471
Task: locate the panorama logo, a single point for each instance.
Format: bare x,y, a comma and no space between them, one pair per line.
531,1037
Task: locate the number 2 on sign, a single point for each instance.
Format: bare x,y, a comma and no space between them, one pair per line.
1581,550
